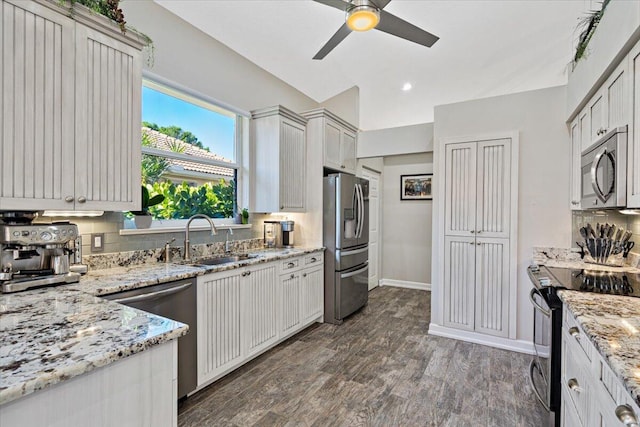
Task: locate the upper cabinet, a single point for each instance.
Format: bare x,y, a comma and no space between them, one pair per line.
633,171
70,138
338,139
279,157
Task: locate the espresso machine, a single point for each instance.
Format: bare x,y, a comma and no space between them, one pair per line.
37,255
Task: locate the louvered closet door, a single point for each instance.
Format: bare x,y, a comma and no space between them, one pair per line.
108,135
460,189
292,166
493,188
219,324
261,287
492,286
459,278
36,94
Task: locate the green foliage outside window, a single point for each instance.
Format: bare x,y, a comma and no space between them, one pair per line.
183,201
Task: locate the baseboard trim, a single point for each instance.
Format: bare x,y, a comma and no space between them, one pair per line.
405,284
518,346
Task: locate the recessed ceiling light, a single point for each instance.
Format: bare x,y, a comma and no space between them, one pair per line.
407,87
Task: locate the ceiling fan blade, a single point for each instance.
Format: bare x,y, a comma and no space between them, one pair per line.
391,24
333,41
380,4
338,4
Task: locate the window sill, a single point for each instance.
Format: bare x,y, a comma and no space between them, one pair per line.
162,227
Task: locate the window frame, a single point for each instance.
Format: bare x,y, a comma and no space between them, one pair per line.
186,94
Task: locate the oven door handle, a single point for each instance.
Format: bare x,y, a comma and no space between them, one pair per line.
535,303
533,365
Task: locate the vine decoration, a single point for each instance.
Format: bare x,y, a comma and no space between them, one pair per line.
588,25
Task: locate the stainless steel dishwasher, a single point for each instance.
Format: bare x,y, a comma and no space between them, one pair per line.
176,301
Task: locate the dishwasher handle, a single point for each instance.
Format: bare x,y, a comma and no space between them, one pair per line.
152,295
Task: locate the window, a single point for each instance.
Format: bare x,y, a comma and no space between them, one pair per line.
189,153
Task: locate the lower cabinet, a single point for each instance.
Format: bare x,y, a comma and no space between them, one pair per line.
592,395
244,312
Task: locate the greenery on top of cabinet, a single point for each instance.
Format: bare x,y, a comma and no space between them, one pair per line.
588,24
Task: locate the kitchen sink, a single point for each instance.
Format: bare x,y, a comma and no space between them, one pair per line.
223,260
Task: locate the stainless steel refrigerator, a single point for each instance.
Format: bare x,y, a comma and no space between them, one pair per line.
346,237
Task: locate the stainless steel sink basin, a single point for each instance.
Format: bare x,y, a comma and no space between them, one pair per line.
223,260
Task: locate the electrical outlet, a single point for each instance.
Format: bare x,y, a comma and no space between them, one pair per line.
97,242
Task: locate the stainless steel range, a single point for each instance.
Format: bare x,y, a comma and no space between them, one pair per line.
544,370
36,255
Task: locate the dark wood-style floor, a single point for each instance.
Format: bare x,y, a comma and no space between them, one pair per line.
380,368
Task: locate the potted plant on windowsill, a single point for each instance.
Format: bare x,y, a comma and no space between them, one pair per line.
142,218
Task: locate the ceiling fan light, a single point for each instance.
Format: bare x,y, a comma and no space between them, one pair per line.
363,18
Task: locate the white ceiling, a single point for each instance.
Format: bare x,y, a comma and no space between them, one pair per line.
486,48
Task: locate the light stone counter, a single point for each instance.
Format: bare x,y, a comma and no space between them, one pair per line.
612,324
53,334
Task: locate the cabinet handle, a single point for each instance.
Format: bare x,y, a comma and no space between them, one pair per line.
68,199
342,166
304,275
574,386
290,265
292,276
313,260
478,243
573,202
472,243
246,273
473,231
282,207
574,332
82,199
626,415
479,231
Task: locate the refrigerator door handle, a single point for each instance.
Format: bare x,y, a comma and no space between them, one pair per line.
354,273
354,251
360,210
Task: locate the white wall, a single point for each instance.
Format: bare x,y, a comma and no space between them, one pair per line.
544,218
406,225
396,141
193,59
346,105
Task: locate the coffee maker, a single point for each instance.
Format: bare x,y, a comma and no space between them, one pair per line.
278,234
37,255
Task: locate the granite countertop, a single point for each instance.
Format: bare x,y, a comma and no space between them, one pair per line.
612,323
53,334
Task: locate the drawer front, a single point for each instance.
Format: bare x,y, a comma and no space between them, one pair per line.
577,334
575,376
314,259
291,264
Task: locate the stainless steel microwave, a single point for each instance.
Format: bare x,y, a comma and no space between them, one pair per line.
604,172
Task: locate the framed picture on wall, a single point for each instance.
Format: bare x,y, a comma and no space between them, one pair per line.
416,187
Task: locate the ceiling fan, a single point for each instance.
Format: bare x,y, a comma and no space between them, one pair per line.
364,15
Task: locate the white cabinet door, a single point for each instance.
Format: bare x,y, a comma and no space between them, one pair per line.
617,97
585,130
108,104
633,177
576,172
332,145
597,115
312,294
460,189
290,284
278,152
220,317
292,167
36,92
493,190
261,307
459,276
348,152
492,286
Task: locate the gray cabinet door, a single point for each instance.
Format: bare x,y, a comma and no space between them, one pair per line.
36,91
108,147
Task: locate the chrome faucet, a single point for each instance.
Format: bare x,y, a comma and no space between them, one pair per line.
187,247
227,243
